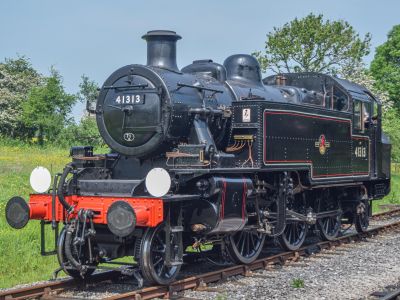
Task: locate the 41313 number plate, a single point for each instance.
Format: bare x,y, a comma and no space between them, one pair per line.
130,99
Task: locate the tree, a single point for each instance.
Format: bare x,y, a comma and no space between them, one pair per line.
86,132
313,45
391,127
48,107
359,74
17,77
385,67
89,91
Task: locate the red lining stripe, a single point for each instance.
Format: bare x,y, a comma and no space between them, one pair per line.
346,174
222,211
307,116
294,161
244,198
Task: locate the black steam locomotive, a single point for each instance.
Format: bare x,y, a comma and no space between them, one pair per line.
213,154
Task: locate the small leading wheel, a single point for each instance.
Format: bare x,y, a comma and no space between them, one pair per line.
245,246
361,220
151,257
62,260
294,235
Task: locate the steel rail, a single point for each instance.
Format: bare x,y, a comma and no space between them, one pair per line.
388,213
54,287
391,296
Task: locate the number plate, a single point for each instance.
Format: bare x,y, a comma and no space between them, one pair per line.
130,99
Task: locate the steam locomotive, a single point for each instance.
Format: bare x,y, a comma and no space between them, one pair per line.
211,154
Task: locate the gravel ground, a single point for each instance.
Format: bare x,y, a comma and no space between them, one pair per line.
353,271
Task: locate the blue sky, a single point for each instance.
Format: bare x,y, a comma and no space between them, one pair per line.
96,37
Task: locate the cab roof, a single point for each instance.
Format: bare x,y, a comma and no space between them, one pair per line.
319,82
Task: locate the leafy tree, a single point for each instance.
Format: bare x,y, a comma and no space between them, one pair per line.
385,67
17,77
359,74
312,44
89,90
48,107
86,132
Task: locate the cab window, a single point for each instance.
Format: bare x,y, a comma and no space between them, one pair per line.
375,113
361,115
314,98
340,101
357,107
366,109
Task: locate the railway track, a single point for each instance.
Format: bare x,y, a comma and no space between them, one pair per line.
392,295
386,214
53,289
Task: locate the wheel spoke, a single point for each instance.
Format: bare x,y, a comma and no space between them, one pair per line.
252,240
240,237
158,261
290,239
247,245
288,231
327,225
160,272
160,240
292,234
242,245
297,235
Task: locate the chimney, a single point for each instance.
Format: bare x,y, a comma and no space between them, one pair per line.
161,49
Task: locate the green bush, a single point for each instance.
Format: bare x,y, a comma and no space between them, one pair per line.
391,126
84,133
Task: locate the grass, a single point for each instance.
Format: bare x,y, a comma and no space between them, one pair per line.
297,283
20,259
223,296
394,195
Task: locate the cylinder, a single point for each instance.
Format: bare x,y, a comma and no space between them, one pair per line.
38,211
